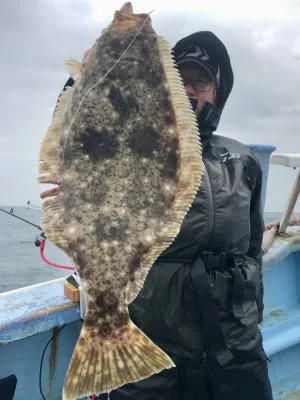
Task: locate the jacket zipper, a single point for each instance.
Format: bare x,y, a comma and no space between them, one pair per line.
211,206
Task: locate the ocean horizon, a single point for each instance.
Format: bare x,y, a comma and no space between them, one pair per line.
20,261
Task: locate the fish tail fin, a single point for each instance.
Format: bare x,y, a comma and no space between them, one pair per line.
100,365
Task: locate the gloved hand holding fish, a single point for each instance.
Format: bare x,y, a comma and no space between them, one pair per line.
124,151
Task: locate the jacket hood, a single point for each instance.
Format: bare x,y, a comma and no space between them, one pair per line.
215,54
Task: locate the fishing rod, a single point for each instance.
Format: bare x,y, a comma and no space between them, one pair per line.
11,212
39,241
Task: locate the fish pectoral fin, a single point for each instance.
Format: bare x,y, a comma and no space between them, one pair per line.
74,68
100,365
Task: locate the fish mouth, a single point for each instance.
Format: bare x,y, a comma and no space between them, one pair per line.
127,8
124,19
50,193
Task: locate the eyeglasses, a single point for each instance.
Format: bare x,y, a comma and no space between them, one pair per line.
199,85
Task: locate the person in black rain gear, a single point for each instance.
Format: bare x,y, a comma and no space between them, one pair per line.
202,300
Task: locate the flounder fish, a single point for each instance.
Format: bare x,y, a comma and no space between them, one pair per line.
124,152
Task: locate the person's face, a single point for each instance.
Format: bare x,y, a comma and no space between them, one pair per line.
197,84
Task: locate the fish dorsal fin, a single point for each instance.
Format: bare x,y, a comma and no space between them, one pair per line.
49,172
50,147
191,170
74,68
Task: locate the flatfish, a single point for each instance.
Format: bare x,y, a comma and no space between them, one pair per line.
124,153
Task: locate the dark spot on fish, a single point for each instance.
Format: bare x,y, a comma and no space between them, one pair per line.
144,52
78,218
99,145
92,305
118,101
121,319
143,247
175,143
80,258
169,196
96,194
165,103
124,104
116,45
169,120
93,333
100,299
105,329
171,165
107,304
111,228
144,141
134,264
86,273
89,320
154,79
111,251
143,170
81,341
118,231
112,74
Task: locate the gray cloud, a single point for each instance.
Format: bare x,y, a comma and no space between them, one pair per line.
36,37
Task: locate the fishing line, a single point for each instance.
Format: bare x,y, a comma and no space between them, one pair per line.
104,76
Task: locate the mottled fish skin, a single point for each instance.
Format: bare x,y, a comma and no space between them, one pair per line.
119,167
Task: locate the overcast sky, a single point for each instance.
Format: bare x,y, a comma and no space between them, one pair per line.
36,36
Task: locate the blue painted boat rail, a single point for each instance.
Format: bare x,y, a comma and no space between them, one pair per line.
35,309
41,308
281,324
263,152
29,318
